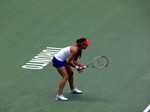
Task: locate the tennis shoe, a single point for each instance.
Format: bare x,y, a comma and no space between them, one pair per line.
61,97
75,91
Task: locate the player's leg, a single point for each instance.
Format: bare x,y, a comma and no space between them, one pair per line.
73,89
63,72
70,78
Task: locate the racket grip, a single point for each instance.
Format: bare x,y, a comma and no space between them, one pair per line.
84,66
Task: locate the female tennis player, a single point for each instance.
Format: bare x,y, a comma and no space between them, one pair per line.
64,60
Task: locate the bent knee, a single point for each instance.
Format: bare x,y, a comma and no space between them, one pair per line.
66,77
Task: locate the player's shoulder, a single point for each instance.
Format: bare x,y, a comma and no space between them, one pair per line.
73,48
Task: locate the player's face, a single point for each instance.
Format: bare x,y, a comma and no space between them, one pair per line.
84,46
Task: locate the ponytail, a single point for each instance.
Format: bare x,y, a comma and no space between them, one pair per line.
79,41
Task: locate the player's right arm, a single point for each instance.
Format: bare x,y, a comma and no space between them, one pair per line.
72,60
73,51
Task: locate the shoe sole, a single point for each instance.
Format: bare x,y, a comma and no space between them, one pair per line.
57,99
75,92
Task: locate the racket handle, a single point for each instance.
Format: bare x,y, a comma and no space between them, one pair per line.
84,66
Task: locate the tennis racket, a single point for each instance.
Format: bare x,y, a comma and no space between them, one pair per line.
98,62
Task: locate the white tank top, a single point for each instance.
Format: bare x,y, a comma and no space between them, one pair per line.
63,54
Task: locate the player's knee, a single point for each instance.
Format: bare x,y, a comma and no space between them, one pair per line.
66,77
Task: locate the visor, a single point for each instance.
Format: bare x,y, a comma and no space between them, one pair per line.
86,42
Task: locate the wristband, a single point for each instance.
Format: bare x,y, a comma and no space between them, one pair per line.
80,65
77,67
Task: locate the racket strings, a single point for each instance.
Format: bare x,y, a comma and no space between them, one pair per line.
100,62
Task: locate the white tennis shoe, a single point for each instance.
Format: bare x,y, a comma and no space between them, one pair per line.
61,97
75,91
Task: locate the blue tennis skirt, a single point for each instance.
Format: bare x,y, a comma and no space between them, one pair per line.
58,64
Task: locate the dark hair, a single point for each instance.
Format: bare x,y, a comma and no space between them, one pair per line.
80,40
79,45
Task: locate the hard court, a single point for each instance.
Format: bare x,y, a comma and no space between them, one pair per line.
118,29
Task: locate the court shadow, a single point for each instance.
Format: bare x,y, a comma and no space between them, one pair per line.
88,98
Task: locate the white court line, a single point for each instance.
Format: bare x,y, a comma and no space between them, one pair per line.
147,109
54,48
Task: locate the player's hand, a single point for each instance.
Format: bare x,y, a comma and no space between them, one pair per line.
80,65
79,68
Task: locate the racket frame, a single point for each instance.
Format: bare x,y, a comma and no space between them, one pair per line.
92,65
